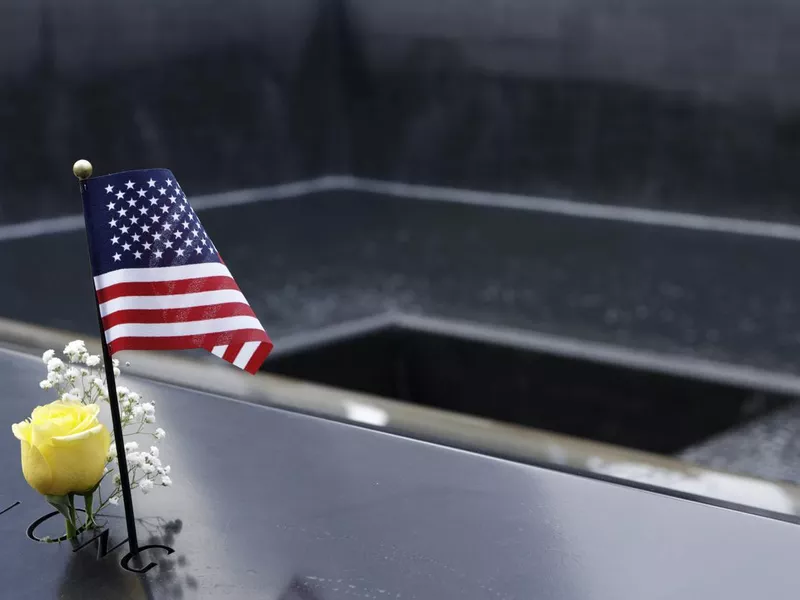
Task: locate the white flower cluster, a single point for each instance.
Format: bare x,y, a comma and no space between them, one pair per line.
82,379
145,468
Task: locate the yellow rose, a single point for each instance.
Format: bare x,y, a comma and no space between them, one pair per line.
64,448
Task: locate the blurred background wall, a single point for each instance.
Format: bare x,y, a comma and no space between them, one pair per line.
660,103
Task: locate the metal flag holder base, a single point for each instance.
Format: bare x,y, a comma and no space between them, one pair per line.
82,169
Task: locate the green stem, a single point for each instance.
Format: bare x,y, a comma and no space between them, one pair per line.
72,521
66,506
88,501
71,531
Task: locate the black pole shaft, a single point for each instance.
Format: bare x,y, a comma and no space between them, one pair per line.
116,420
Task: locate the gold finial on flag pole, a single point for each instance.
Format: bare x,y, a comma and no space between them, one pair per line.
82,169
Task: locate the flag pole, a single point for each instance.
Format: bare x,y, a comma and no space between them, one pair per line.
82,169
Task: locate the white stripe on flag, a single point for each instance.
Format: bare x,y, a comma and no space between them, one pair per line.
245,354
219,350
161,274
177,329
173,301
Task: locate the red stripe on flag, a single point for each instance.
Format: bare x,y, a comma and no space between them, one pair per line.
188,342
166,288
178,315
258,358
232,352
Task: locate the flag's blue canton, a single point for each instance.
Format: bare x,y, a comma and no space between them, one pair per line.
143,219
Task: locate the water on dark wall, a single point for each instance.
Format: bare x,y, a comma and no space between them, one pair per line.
224,114
647,104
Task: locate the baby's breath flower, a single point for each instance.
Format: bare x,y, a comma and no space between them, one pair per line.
76,392
135,459
122,391
149,408
117,479
137,411
46,384
152,458
115,362
117,372
84,372
54,376
48,355
55,364
160,434
146,485
114,500
75,348
134,397
112,452
131,446
92,360
148,468
72,373
67,397
167,469
149,419
166,481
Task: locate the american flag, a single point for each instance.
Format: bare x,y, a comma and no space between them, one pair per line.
160,282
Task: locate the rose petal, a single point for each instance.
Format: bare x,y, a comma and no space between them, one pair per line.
77,461
36,470
22,431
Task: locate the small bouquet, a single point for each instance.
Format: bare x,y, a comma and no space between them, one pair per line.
68,452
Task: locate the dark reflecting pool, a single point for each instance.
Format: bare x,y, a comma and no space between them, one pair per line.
643,409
